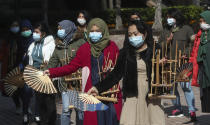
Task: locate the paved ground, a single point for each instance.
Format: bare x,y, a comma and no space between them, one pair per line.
8,116
203,118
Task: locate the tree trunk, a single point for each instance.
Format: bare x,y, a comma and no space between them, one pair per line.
45,10
103,4
157,26
118,19
196,2
111,4
151,3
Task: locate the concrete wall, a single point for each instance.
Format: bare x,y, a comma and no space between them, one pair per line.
118,39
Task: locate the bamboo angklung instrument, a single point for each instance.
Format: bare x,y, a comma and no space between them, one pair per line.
111,94
175,63
153,64
162,74
170,70
180,58
184,68
157,70
184,54
167,84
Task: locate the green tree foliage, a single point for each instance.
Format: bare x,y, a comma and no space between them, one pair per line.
147,14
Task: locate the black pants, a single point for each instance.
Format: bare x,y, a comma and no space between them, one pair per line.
16,98
46,108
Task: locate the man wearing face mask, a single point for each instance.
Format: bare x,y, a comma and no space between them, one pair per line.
177,32
65,51
203,60
81,22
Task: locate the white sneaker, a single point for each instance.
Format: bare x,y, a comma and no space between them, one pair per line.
37,119
25,118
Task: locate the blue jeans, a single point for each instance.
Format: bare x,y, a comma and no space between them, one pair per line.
189,96
66,112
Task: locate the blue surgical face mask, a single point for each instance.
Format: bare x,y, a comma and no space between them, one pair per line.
136,41
26,33
61,33
15,29
95,36
36,36
171,21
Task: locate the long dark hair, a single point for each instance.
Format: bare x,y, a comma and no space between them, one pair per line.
42,27
86,16
136,13
142,28
131,61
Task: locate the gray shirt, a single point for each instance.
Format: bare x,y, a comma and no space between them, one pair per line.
183,39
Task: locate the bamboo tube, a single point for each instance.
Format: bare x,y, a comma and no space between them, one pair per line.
110,92
166,50
175,68
184,53
162,62
152,96
189,51
180,57
170,66
73,79
114,100
153,63
157,70
162,74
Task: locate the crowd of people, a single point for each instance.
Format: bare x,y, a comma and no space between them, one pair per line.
85,44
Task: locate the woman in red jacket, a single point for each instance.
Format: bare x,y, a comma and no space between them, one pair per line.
193,59
93,55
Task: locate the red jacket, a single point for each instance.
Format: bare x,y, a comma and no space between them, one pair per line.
83,59
193,58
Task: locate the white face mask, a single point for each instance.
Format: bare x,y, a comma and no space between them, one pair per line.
81,21
205,26
171,21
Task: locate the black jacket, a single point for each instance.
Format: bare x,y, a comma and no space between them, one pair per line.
126,68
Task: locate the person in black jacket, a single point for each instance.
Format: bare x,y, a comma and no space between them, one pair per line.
135,67
26,30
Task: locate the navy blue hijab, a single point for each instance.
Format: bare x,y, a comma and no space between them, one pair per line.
24,41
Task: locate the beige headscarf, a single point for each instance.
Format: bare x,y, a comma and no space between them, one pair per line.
97,48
